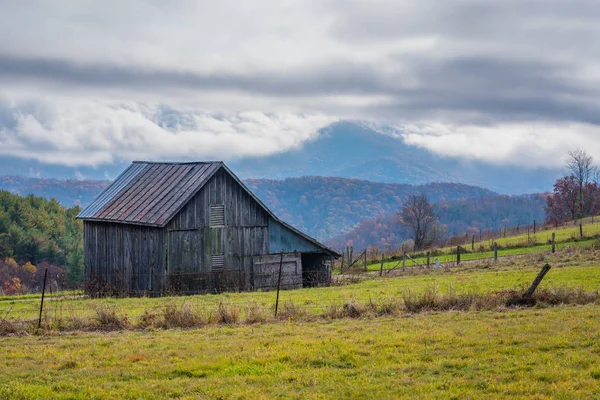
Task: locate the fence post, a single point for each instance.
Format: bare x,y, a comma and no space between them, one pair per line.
342,265
534,226
553,242
366,259
331,270
381,268
351,258
537,281
495,251
473,243
403,260
581,230
428,259
42,303
279,282
457,255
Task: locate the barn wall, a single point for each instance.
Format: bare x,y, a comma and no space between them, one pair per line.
282,238
122,257
192,242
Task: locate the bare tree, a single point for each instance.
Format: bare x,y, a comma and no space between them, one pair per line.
581,166
418,215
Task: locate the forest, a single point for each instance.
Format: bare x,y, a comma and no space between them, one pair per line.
472,216
37,233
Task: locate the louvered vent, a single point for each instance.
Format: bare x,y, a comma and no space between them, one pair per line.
217,215
218,262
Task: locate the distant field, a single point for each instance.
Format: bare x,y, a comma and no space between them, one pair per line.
531,353
483,255
508,246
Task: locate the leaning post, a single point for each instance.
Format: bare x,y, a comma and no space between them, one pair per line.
553,242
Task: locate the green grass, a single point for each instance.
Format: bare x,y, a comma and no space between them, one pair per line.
482,255
573,267
530,353
538,352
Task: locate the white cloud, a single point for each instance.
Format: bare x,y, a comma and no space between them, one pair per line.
505,82
528,145
95,133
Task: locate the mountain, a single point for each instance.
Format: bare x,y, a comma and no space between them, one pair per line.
460,216
69,192
359,151
345,149
322,207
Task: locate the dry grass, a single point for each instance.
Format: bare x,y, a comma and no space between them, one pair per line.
225,314
185,316
107,319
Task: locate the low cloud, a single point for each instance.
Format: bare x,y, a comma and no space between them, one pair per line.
96,133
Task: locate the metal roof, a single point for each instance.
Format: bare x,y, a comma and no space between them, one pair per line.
149,193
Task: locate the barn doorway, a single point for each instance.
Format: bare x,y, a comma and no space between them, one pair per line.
314,270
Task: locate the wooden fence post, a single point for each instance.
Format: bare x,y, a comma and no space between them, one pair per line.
473,243
581,230
457,255
342,265
381,268
428,259
42,303
536,282
403,260
351,258
366,259
553,242
495,251
534,226
278,282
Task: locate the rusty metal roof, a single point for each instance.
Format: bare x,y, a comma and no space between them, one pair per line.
149,193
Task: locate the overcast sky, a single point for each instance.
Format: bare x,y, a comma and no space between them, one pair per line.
87,83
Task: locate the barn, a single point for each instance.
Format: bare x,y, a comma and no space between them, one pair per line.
183,228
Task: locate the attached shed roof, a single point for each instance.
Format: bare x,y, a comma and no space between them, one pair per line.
152,193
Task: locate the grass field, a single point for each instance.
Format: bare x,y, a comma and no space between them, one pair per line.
573,267
532,353
447,257
539,352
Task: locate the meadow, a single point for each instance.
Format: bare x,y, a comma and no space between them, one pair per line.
545,350
524,353
566,237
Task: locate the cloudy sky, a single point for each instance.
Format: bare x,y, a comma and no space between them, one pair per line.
89,83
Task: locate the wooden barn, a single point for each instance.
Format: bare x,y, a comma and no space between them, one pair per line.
192,228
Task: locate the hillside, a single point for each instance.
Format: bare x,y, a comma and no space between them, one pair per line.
35,230
323,207
327,207
490,213
69,192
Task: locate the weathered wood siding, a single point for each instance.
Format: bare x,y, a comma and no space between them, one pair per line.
192,242
266,271
125,257
282,238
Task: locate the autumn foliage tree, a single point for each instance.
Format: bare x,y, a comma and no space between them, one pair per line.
418,215
575,196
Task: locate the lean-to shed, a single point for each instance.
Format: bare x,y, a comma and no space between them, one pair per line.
192,228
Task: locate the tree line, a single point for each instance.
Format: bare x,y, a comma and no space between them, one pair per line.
37,233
